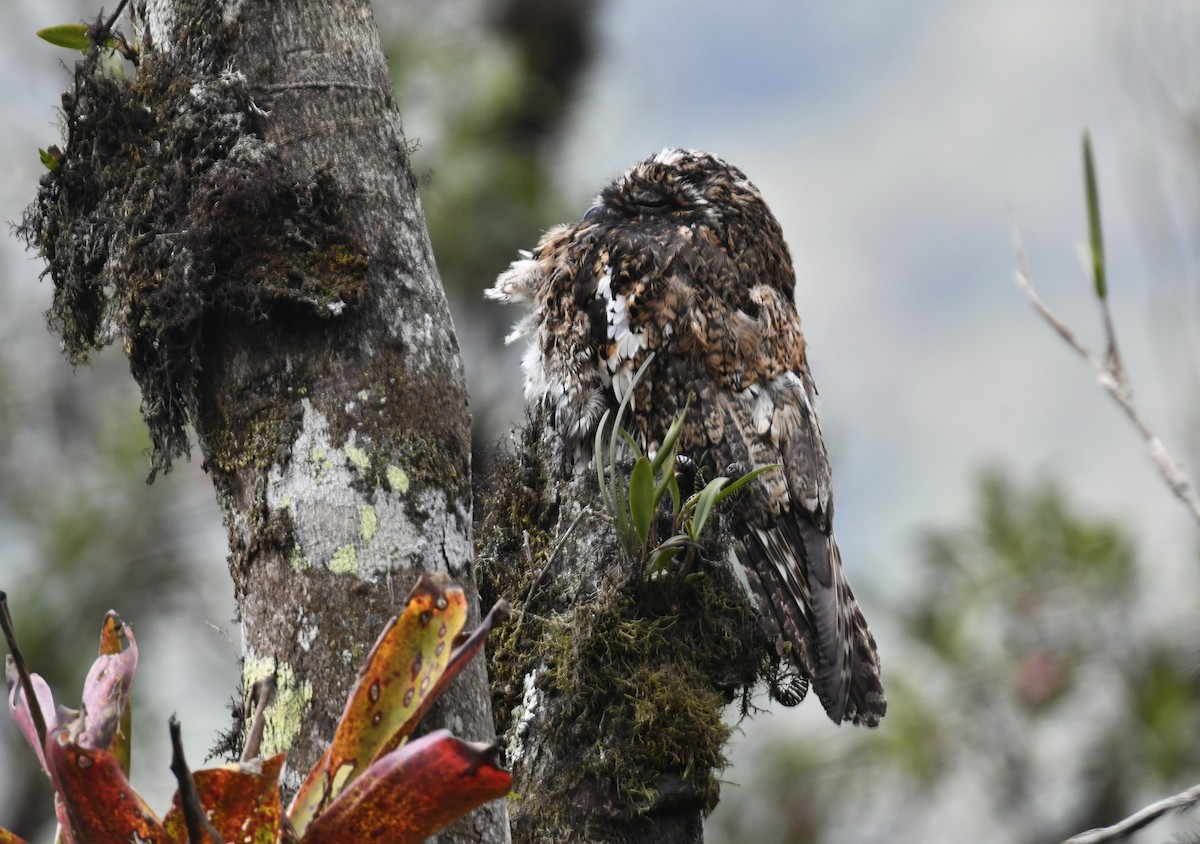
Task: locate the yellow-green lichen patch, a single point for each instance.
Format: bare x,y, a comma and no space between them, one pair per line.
255,668
247,435
297,560
396,479
357,458
284,717
368,522
344,560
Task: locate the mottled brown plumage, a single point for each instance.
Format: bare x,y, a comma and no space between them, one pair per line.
681,256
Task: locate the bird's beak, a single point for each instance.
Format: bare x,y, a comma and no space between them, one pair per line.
593,213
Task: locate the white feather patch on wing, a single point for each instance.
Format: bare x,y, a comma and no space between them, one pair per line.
787,412
626,342
762,402
783,557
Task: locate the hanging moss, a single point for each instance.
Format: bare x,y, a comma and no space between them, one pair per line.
167,211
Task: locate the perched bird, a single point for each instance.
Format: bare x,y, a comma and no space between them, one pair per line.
681,257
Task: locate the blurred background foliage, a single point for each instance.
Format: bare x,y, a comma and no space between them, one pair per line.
1035,690
1027,687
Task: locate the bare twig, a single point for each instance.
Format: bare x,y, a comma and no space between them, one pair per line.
199,828
112,20
1139,819
520,614
261,693
10,635
1114,356
1114,381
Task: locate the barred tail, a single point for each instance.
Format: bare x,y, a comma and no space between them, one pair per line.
795,571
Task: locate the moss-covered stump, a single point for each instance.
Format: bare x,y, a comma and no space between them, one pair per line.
608,687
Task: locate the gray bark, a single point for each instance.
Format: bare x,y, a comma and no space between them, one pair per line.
381,387
244,217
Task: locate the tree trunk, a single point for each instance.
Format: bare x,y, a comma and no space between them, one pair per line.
609,687
242,214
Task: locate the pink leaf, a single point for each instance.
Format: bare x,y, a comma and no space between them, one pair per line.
106,689
19,710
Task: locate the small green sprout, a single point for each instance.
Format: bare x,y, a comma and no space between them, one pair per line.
72,36
80,36
51,158
633,502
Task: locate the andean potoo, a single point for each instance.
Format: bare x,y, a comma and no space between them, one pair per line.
680,256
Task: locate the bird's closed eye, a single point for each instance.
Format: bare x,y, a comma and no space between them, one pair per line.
652,201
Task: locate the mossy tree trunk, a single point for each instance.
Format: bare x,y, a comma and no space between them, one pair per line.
609,687
241,214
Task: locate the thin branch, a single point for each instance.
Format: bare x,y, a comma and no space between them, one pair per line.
521,613
261,693
199,828
1114,381
112,20
10,635
1139,819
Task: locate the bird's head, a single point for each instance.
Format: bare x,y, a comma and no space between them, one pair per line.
679,186
680,189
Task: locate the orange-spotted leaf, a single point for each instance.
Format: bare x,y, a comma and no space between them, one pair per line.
101,804
411,793
7,837
18,706
391,693
466,645
106,691
241,800
312,796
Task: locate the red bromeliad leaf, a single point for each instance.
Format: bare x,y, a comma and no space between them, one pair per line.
101,804
242,802
411,793
391,693
106,691
18,707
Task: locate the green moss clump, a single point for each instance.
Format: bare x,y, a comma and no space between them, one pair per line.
658,680
638,671
514,541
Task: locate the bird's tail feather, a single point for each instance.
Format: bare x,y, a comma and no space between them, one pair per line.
812,608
